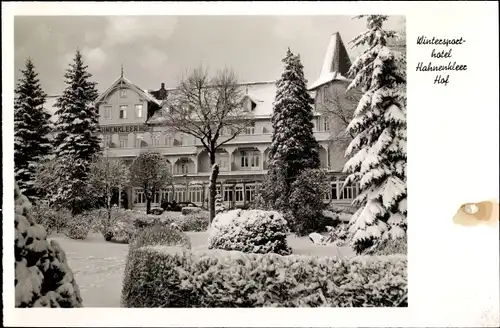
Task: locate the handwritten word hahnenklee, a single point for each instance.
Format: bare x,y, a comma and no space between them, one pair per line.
441,54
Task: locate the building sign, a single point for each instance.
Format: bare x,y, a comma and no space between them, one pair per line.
125,128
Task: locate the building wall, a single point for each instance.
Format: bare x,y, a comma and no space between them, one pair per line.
190,163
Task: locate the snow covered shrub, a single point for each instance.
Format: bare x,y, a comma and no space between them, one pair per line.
194,222
159,276
390,246
157,211
338,235
306,202
51,219
160,235
251,231
189,210
219,204
42,275
79,226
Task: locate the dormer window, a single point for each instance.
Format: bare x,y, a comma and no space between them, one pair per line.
123,93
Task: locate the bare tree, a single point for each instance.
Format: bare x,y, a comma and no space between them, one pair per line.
150,171
211,110
106,175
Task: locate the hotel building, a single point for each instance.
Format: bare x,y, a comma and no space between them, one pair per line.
125,109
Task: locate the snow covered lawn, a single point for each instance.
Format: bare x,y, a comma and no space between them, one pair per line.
98,265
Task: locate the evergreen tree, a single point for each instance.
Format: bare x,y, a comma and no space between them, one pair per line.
77,128
293,147
377,154
77,123
31,129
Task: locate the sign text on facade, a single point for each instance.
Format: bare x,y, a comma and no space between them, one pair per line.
125,129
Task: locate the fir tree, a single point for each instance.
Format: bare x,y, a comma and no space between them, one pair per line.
377,154
77,123
77,128
293,147
31,129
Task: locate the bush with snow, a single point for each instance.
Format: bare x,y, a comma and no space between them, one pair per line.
219,204
197,221
190,210
51,219
125,223
159,234
163,277
251,231
43,277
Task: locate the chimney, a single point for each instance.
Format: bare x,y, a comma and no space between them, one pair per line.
162,93
162,86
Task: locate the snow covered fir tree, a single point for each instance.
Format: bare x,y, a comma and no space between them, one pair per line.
77,132
293,147
31,129
377,154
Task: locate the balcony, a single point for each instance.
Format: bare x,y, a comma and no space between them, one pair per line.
133,152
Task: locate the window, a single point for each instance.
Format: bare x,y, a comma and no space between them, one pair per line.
196,193
249,193
139,197
179,193
123,141
123,93
183,166
155,139
138,110
250,159
107,112
186,140
107,140
228,193
138,140
326,124
250,129
169,140
238,191
222,161
123,111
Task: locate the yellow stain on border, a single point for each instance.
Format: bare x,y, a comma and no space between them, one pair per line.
473,214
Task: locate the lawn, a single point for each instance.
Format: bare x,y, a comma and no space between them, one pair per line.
98,265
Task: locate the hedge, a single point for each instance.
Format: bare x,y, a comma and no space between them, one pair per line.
159,276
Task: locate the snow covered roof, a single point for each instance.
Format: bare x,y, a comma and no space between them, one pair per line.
336,63
126,82
261,93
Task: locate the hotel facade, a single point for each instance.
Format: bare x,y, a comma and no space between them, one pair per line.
126,109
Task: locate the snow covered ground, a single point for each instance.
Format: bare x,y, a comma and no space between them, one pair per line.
98,265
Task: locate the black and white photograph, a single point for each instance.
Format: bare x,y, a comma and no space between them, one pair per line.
210,161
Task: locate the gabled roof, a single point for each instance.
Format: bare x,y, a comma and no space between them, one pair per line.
336,63
127,83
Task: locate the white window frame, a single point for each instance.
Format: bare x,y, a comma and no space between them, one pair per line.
250,129
107,112
123,112
123,141
139,196
123,93
138,110
239,193
250,159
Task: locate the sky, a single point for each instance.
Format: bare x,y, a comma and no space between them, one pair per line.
156,49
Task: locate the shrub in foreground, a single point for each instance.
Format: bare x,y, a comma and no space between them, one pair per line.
42,275
158,276
250,231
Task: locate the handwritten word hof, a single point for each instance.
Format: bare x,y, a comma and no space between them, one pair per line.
442,54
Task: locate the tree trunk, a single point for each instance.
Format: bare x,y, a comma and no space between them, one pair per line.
108,205
212,188
148,205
